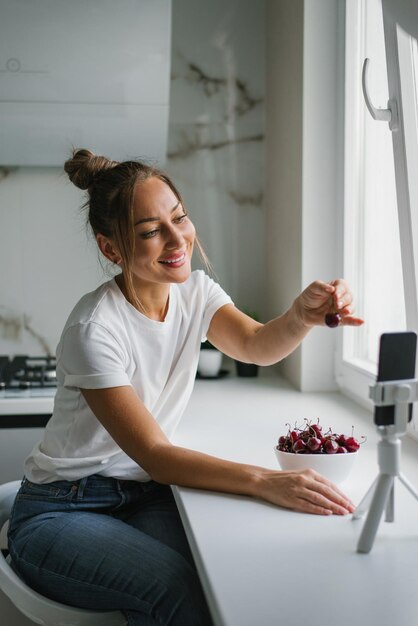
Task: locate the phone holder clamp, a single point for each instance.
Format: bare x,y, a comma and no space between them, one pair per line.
380,495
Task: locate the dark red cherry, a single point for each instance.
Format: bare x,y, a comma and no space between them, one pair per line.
331,446
314,443
352,444
317,429
332,320
299,446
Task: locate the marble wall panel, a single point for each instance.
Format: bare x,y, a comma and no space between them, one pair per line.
216,135
47,259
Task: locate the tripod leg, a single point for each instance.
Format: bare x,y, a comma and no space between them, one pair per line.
390,506
381,494
408,485
363,507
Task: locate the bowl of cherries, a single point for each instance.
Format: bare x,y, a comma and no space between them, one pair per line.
329,453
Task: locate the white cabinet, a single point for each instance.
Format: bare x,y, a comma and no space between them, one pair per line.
85,73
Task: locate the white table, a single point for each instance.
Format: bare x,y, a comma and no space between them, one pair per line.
261,565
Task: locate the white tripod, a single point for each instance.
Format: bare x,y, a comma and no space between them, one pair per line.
380,495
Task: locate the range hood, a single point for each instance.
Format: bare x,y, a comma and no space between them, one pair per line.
85,73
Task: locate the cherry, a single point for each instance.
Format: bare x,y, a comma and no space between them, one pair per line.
314,443
342,440
299,446
352,444
342,450
317,429
332,320
331,446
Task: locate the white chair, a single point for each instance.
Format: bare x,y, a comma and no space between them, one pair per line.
37,608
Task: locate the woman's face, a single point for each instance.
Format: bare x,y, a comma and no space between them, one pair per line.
164,235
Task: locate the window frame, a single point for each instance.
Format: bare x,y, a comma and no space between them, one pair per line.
352,376
400,65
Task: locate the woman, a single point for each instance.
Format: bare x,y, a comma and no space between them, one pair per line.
94,523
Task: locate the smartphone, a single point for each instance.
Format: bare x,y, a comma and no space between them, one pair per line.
397,356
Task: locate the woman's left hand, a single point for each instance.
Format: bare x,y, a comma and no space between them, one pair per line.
321,298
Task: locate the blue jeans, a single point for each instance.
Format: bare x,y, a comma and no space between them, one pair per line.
106,544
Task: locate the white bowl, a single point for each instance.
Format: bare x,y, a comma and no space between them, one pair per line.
335,467
210,362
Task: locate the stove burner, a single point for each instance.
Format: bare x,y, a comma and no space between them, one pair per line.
23,372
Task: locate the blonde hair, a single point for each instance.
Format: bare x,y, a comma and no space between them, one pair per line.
110,186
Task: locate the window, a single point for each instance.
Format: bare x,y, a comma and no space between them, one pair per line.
380,192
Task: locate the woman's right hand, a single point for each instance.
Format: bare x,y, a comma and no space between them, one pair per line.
305,491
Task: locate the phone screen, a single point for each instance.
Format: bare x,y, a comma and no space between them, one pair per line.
396,362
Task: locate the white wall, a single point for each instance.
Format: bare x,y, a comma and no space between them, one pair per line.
303,185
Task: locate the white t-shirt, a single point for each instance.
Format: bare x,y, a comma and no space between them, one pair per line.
106,342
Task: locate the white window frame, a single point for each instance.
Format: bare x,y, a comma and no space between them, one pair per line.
353,377
400,64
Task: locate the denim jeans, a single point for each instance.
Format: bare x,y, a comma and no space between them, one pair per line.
106,544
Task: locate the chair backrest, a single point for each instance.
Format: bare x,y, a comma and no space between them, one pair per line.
7,497
36,607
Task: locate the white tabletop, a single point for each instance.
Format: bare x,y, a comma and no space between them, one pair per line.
263,565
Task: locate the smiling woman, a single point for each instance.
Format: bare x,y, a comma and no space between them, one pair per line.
155,212
97,488
164,255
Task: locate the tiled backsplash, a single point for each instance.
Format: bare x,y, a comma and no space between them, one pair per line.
216,137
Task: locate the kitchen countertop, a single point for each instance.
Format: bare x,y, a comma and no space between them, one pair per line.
264,565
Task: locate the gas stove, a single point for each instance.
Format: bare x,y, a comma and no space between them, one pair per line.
27,389
27,384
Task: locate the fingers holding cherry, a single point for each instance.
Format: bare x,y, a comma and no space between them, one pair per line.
343,317
341,312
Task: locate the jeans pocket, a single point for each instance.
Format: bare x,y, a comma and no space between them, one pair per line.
35,499
59,490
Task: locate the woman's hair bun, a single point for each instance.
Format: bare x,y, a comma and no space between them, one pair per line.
84,166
